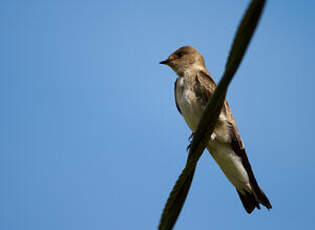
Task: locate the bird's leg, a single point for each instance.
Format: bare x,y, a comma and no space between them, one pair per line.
190,139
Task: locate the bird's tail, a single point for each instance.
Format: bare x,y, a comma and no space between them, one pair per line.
251,200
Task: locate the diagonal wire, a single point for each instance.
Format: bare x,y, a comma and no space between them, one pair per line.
207,122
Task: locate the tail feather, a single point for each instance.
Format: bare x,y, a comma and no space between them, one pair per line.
256,196
252,200
249,201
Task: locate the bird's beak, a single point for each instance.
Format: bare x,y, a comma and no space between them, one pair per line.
165,62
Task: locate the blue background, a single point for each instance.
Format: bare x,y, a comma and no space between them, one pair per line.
90,137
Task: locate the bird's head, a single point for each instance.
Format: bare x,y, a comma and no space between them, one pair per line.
185,59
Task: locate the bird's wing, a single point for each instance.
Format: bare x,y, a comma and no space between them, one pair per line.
238,148
204,87
177,106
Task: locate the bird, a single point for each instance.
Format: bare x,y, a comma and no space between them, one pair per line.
194,87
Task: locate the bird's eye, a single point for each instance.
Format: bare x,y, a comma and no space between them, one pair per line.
180,54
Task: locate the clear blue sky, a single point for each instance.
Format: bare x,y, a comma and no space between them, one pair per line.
90,137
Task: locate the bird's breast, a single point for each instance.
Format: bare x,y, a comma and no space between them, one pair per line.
188,103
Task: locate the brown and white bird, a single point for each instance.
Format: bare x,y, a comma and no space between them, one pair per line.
193,88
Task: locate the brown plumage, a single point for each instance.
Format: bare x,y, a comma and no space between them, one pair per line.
193,89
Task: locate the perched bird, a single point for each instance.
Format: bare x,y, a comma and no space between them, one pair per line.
193,88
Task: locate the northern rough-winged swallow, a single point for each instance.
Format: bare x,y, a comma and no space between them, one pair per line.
193,88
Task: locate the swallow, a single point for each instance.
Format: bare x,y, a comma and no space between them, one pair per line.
193,89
